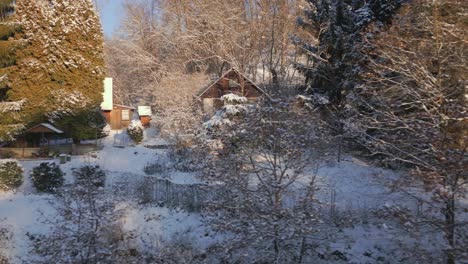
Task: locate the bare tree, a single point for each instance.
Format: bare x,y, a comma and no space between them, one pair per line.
159,38
86,229
264,199
414,107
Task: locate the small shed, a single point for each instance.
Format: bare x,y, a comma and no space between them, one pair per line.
39,136
232,81
145,113
117,116
120,116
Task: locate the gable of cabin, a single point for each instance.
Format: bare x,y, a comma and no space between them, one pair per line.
230,82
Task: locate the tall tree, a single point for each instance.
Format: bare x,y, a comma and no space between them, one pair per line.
258,165
9,122
415,107
336,30
160,37
336,53
63,56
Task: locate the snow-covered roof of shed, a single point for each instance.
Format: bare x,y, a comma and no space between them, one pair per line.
48,126
204,90
144,110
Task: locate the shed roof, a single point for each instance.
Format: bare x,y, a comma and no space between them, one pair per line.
44,128
144,110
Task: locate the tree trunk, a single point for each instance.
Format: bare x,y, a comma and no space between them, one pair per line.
449,213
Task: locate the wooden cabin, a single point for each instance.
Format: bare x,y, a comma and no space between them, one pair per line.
40,135
232,81
117,116
120,116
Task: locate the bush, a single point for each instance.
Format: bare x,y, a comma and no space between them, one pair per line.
90,176
135,131
156,167
47,177
11,174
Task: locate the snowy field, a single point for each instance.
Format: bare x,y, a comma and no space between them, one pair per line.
352,192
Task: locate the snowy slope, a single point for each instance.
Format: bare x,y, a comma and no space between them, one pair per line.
359,191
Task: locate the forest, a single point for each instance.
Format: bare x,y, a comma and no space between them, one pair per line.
282,131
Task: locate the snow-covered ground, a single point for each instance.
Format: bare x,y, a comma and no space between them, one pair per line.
22,212
357,188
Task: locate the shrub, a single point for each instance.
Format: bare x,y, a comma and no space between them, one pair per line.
11,174
90,176
47,177
135,131
156,167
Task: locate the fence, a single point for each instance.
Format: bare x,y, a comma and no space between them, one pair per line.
190,197
31,152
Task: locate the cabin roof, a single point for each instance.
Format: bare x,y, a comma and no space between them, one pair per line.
124,106
205,89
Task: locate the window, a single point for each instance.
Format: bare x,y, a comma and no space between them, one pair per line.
125,115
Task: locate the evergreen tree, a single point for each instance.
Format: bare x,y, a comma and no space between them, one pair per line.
9,122
335,53
63,59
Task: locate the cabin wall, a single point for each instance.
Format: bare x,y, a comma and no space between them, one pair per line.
115,118
107,115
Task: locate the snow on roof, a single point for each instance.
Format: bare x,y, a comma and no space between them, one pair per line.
11,106
48,126
108,101
144,110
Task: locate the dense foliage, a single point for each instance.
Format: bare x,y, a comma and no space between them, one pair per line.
90,177
9,123
61,63
135,131
47,177
11,175
338,29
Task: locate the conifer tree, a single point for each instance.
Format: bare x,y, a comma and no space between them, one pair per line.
335,52
8,45
62,60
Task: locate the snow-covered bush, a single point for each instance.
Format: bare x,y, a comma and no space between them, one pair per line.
135,131
90,176
184,154
106,130
86,227
234,105
11,174
262,163
233,99
47,177
6,237
155,167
